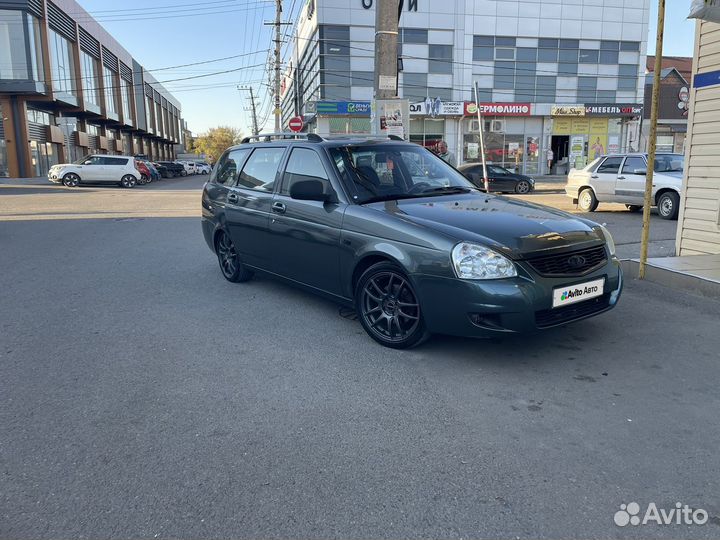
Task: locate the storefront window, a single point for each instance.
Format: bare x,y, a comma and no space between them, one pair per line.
347,125
3,159
509,142
427,132
43,156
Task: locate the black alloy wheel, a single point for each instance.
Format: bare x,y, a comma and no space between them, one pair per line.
71,180
128,181
232,268
388,307
522,186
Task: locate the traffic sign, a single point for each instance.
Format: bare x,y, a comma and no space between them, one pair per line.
296,123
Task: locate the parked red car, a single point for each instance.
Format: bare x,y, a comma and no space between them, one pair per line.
145,174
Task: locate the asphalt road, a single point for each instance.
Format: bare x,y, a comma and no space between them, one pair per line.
179,197
144,396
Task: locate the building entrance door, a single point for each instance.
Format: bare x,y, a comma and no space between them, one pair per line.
560,145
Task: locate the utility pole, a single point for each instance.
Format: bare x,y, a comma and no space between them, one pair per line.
253,109
278,43
652,143
386,48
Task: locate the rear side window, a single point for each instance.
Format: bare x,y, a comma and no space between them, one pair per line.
304,164
610,166
632,164
114,161
261,169
227,168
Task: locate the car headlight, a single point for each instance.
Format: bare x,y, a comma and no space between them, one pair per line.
609,240
473,261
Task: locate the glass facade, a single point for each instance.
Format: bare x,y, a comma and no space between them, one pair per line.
528,73
13,55
89,79
126,107
109,81
62,68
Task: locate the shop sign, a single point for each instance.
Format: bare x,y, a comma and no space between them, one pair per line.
613,109
352,108
435,107
497,109
703,80
567,110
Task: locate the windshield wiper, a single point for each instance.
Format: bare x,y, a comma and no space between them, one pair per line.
391,197
447,190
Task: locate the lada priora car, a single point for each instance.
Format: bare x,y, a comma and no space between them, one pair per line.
391,229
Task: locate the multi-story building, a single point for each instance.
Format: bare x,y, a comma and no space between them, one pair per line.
552,74
67,88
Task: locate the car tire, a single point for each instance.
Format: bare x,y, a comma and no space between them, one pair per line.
587,202
231,266
143,180
385,290
522,187
633,207
128,181
668,205
71,180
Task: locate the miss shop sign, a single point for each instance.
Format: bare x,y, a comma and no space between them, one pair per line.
497,109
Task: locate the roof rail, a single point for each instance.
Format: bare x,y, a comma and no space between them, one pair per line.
311,137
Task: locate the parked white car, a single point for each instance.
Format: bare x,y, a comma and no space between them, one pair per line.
96,169
202,168
620,178
189,167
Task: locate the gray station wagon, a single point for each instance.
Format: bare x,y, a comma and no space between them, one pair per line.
387,227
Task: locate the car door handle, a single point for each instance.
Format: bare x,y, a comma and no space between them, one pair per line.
233,198
621,178
279,207
595,176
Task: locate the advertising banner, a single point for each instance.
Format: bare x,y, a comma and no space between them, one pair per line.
567,110
343,108
613,109
392,117
497,109
435,107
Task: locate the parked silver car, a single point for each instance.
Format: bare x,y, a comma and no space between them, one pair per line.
620,178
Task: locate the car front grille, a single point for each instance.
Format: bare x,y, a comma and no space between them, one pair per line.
553,317
575,263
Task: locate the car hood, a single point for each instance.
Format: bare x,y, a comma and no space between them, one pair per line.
59,165
515,227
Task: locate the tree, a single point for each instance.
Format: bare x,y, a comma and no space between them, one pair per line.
216,141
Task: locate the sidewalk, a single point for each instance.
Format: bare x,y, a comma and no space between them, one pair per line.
38,181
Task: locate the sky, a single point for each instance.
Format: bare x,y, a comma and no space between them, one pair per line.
165,33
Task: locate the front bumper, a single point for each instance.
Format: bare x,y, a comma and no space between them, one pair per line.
517,305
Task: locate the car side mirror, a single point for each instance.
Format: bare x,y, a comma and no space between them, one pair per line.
88,162
309,190
640,171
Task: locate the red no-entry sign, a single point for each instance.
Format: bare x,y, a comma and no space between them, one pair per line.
296,123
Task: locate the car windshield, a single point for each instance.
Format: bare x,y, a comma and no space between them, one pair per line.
387,172
669,163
